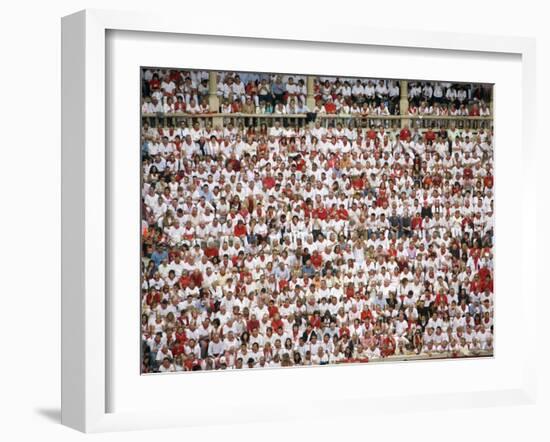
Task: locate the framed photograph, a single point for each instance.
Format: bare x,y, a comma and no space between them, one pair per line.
325,219
295,220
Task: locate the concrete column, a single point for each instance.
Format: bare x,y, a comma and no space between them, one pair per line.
404,102
213,99
490,104
310,100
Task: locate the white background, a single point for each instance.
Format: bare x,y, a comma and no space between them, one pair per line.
131,392
30,215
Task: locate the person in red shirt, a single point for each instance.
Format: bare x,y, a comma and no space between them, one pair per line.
382,198
416,222
429,135
392,251
154,83
330,107
268,182
181,337
153,298
321,213
178,348
300,164
333,161
371,134
342,213
211,251
190,362
316,259
272,310
235,164
315,320
358,183
427,182
240,230
405,134
387,346
344,331
179,106
236,107
366,314
175,75
185,280
483,273
441,299
252,323
277,322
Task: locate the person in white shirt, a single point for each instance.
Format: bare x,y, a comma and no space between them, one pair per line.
166,366
415,92
370,92
358,91
373,352
451,95
394,96
381,92
238,90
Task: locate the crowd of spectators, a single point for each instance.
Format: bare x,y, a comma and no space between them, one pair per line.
311,245
169,91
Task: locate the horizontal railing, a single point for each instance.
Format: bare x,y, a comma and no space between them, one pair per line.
256,120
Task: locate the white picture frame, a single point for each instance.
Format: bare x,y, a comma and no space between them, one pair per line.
86,350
